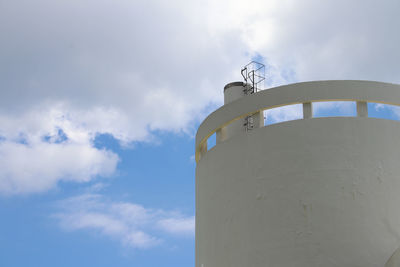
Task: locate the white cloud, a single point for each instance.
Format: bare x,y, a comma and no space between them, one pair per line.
129,223
327,39
42,147
108,59
181,226
26,168
90,67
129,68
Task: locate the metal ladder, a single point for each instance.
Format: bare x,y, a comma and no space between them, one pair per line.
253,75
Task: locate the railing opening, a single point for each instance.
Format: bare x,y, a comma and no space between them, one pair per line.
281,114
383,111
211,141
334,109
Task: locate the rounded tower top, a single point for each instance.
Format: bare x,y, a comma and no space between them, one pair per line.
233,91
229,85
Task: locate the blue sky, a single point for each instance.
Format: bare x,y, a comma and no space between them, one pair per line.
32,228
100,102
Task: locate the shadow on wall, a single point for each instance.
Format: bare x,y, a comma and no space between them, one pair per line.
394,260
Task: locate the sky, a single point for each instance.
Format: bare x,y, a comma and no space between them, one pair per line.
100,102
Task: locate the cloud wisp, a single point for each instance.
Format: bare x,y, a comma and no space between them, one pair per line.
131,224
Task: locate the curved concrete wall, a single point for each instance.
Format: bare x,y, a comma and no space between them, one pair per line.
304,193
315,192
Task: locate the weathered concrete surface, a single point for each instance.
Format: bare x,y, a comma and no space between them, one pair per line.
394,260
316,192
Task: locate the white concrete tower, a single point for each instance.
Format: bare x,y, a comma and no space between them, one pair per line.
305,193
